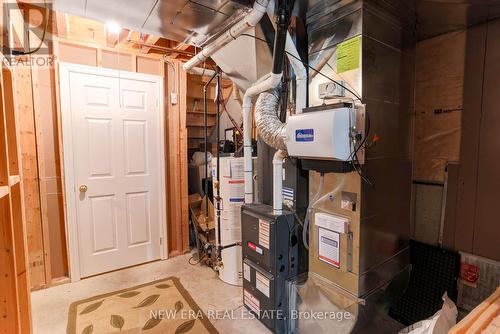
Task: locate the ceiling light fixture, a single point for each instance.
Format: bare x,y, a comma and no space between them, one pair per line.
113,27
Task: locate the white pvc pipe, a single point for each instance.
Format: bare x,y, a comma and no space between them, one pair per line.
301,100
271,82
278,159
250,20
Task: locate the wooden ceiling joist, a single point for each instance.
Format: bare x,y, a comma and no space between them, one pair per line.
61,24
81,29
150,40
113,39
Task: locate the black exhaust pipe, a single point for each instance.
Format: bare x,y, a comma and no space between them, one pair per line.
282,23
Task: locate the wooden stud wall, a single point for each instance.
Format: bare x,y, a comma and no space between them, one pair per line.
49,171
176,147
15,305
36,91
195,118
29,164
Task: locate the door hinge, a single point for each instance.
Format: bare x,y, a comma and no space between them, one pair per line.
161,241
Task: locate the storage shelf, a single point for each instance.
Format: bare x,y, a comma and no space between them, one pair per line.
4,191
200,125
14,179
15,294
209,113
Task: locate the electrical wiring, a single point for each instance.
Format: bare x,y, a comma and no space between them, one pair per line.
197,262
354,156
224,105
358,98
354,160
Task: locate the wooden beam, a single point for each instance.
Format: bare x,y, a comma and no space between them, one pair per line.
17,32
179,46
15,309
61,25
9,313
468,322
24,108
182,98
112,39
59,148
151,40
178,214
43,101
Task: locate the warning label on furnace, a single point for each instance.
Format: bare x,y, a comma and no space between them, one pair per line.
348,54
329,243
262,284
246,272
264,233
250,301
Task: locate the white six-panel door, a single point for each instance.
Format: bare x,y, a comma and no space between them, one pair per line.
116,148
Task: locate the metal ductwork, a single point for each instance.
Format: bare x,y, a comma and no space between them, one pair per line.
246,60
270,127
249,21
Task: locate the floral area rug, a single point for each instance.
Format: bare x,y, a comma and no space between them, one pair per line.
160,307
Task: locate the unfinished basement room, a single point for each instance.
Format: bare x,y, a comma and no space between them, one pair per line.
250,166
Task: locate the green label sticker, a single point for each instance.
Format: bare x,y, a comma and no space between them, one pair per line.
348,54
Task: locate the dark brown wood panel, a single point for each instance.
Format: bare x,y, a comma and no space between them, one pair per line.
487,217
471,120
450,205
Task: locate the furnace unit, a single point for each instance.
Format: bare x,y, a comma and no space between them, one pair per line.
359,212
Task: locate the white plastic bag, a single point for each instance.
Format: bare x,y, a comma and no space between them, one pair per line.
440,323
199,158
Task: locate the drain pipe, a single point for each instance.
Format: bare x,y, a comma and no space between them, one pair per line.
273,133
279,158
283,20
272,81
249,21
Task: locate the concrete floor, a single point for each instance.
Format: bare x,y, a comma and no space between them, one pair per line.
50,306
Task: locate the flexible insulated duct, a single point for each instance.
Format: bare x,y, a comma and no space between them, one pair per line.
270,127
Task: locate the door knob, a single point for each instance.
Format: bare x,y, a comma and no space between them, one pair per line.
83,188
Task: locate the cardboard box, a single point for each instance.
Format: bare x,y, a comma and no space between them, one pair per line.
197,208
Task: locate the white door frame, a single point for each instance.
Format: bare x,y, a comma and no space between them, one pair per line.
65,69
